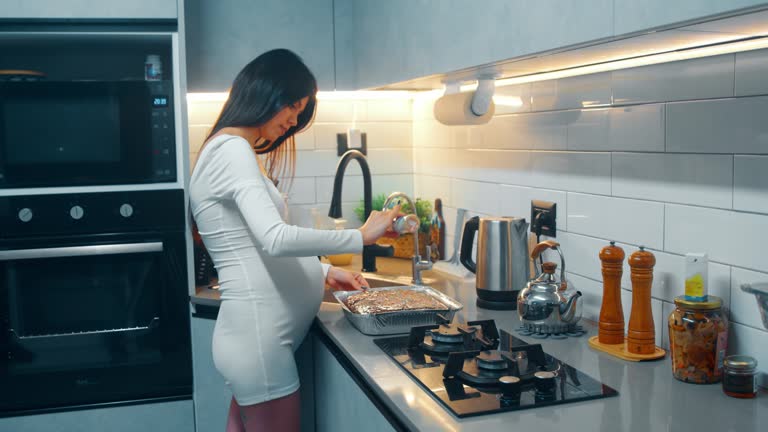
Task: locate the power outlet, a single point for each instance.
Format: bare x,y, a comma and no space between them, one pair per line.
543,218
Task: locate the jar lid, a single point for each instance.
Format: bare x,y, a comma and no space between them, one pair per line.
712,302
740,362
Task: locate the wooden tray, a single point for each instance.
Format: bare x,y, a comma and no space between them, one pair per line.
620,351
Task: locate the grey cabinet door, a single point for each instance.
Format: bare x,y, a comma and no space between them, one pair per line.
89,9
223,36
211,393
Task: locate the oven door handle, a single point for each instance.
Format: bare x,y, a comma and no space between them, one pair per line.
78,251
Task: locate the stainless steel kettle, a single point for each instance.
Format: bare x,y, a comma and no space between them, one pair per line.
546,305
502,266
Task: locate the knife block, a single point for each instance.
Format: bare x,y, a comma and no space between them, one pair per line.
640,341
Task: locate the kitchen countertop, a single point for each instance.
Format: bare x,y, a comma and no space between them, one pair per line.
650,399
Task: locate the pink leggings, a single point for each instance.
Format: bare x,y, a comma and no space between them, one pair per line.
276,415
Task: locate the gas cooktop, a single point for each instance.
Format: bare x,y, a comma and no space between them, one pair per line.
473,369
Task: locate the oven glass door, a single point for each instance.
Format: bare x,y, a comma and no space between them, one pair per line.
78,133
93,323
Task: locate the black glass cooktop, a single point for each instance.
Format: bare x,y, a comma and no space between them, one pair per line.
473,369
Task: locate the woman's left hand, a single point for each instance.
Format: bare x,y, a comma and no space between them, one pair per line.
339,279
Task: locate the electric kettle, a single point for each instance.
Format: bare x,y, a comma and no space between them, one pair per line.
502,266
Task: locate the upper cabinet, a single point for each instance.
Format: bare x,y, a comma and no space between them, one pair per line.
632,15
89,9
223,36
384,42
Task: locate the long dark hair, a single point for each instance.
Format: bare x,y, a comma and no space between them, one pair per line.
266,85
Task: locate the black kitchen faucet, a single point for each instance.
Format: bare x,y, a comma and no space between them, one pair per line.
370,252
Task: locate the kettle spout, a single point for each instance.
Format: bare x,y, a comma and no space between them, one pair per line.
568,310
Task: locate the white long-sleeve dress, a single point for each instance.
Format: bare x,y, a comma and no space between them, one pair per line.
271,281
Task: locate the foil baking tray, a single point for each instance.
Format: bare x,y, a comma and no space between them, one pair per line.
386,323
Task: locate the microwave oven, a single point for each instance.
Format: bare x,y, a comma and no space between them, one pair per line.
86,133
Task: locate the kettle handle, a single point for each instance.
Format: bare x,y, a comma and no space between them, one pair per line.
551,244
467,241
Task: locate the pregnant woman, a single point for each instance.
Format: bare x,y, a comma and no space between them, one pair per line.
271,281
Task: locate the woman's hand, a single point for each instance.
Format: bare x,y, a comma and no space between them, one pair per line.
339,279
379,223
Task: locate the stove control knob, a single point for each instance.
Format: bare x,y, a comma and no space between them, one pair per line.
510,387
126,210
25,214
76,212
544,381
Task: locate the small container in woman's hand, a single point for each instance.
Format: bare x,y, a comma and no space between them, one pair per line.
406,224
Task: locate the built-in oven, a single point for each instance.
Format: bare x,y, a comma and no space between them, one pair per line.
86,133
94,306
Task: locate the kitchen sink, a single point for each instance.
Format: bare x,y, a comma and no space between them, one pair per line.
373,282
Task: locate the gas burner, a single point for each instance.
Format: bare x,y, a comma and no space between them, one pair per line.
539,332
485,368
444,338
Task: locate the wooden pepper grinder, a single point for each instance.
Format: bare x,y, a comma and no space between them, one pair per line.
611,325
641,337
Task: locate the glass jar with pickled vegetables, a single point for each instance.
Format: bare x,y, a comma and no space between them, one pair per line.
698,339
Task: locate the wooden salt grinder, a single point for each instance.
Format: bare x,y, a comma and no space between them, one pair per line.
611,325
641,337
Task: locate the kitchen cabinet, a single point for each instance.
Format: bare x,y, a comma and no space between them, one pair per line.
211,393
177,416
632,15
384,42
89,9
340,404
223,36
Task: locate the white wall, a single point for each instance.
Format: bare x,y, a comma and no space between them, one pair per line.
388,125
673,158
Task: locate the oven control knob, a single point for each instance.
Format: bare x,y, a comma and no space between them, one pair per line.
25,214
76,212
510,387
126,210
544,381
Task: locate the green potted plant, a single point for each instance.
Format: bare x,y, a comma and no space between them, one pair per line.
404,244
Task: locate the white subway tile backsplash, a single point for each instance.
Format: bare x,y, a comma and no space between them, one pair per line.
473,196
390,161
572,92
749,233
588,172
624,220
512,99
588,130
718,126
582,254
697,229
744,307
498,166
431,187
203,113
635,128
709,77
389,110
750,341
591,294
352,188
750,189
302,191
197,134
727,236
751,73
305,140
698,179
341,111
313,163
